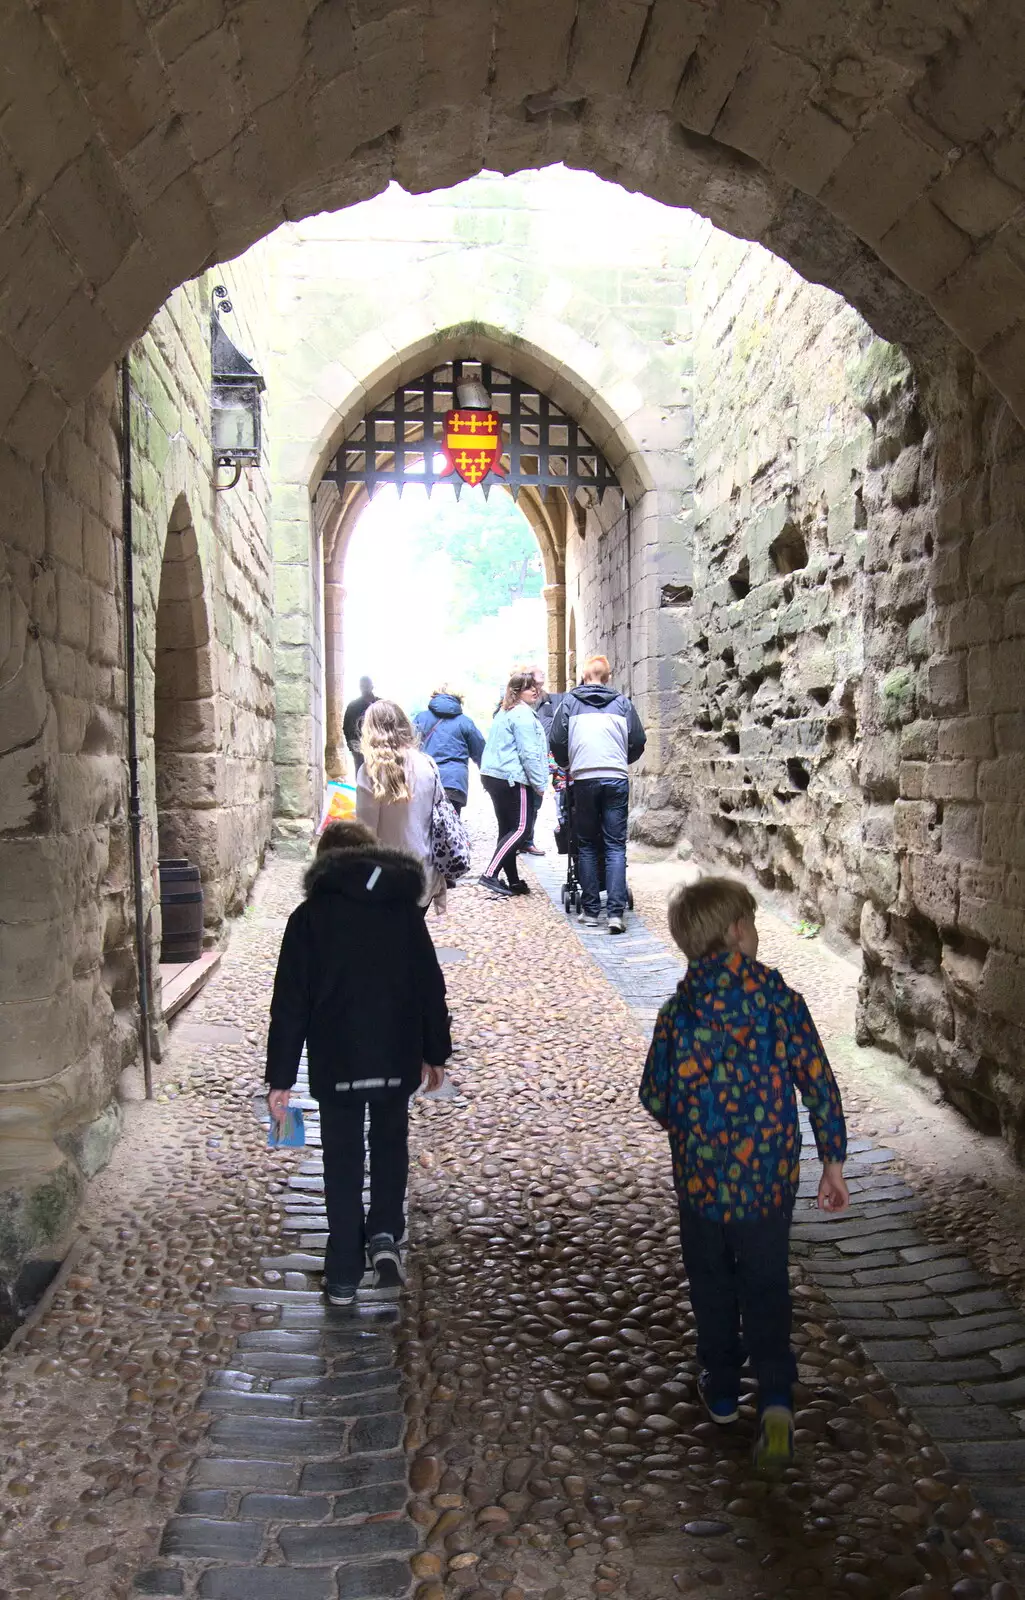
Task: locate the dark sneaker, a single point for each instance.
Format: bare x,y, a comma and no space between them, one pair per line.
340,1294
385,1261
774,1448
520,888
721,1410
495,885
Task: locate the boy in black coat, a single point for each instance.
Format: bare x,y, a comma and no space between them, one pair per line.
359,984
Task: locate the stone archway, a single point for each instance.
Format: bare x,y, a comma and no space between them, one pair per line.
312,537
337,519
571,650
878,153
188,786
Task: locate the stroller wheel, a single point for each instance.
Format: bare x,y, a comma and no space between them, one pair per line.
578,899
567,899
630,899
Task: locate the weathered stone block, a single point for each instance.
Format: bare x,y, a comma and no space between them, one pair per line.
914,826
932,885
951,780
961,835
946,686
966,738
1002,989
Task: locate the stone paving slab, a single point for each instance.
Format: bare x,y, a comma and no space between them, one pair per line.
303,1489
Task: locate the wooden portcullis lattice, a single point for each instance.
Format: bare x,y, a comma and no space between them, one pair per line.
401,440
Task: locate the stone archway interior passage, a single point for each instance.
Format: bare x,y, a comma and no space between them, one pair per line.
398,442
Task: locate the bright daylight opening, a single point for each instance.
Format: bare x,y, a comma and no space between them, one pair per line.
440,590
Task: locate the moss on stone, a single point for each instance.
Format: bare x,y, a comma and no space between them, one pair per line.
49,1208
876,372
897,697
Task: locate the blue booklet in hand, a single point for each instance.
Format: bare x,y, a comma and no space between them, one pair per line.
289,1131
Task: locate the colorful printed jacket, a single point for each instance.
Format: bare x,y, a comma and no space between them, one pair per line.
728,1049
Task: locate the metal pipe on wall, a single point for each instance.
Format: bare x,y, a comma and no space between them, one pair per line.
134,799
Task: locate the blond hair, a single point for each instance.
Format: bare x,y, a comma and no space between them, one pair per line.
386,740
597,667
701,914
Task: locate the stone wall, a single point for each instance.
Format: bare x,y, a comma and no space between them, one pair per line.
943,931
769,648
68,1017
215,776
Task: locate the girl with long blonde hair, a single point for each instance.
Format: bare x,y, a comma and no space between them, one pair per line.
396,790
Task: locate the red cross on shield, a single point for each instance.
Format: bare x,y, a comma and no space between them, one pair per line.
472,445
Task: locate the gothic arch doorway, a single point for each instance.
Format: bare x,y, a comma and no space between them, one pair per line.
547,463
185,732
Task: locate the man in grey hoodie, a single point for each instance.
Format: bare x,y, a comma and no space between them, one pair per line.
596,734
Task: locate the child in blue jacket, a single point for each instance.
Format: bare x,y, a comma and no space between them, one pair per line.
728,1050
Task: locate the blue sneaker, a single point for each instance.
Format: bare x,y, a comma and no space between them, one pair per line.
774,1447
724,1409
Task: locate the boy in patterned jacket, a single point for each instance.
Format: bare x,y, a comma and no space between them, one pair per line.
729,1049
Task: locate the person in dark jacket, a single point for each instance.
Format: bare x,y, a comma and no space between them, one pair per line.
452,740
596,735
352,721
359,984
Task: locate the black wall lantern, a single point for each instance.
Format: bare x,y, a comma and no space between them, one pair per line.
235,398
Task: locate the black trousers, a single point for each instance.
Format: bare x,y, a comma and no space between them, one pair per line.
341,1131
739,1280
457,799
533,807
512,812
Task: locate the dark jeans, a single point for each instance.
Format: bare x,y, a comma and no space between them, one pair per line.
457,799
357,757
601,807
738,1278
512,811
341,1130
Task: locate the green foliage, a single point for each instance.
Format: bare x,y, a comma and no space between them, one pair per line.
808,930
491,549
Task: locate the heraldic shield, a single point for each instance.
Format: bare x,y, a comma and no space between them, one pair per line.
472,443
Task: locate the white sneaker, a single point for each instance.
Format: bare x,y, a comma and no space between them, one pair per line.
589,922
617,925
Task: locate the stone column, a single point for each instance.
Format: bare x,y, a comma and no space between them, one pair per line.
555,605
335,755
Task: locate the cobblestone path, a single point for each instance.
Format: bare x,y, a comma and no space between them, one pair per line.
549,1445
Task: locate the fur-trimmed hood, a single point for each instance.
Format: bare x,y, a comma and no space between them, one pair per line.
371,872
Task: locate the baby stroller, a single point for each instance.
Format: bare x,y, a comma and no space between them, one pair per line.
568,844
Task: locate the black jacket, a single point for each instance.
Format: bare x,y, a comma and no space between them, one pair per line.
358,981
545,711
352,721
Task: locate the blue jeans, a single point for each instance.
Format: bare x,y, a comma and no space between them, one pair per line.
601,806
738,1278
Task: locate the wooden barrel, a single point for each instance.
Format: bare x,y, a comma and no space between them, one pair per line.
181,911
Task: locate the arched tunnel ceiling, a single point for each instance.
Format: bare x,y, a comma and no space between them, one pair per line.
876,146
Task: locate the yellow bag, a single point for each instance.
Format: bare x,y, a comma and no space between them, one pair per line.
339,803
